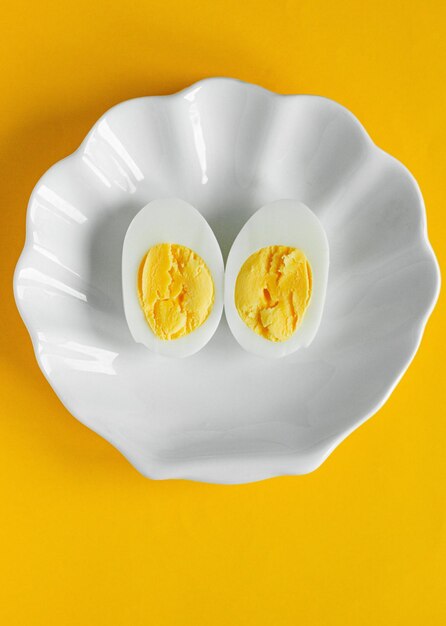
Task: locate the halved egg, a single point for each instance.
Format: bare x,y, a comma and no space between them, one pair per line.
276,279
172,278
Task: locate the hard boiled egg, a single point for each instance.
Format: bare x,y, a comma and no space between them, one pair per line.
172,278
276,279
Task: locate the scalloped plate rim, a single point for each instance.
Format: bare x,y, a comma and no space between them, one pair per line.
323,449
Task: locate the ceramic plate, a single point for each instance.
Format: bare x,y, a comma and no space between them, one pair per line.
227,148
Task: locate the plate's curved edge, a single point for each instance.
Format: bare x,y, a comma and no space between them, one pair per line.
327,447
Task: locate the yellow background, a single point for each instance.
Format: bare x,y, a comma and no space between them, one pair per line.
84,539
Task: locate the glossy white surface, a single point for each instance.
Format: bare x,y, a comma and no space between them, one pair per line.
288,223
174,221
227,148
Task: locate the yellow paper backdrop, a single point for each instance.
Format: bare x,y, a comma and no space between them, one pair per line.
84,539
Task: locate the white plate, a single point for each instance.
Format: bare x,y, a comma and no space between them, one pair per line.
226,147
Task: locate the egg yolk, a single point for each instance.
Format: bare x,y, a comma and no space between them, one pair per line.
273,290
175,290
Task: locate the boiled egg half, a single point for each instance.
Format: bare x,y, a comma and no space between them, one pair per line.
276,279
172,278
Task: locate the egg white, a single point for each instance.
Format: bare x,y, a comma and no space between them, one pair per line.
287,223
170,220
